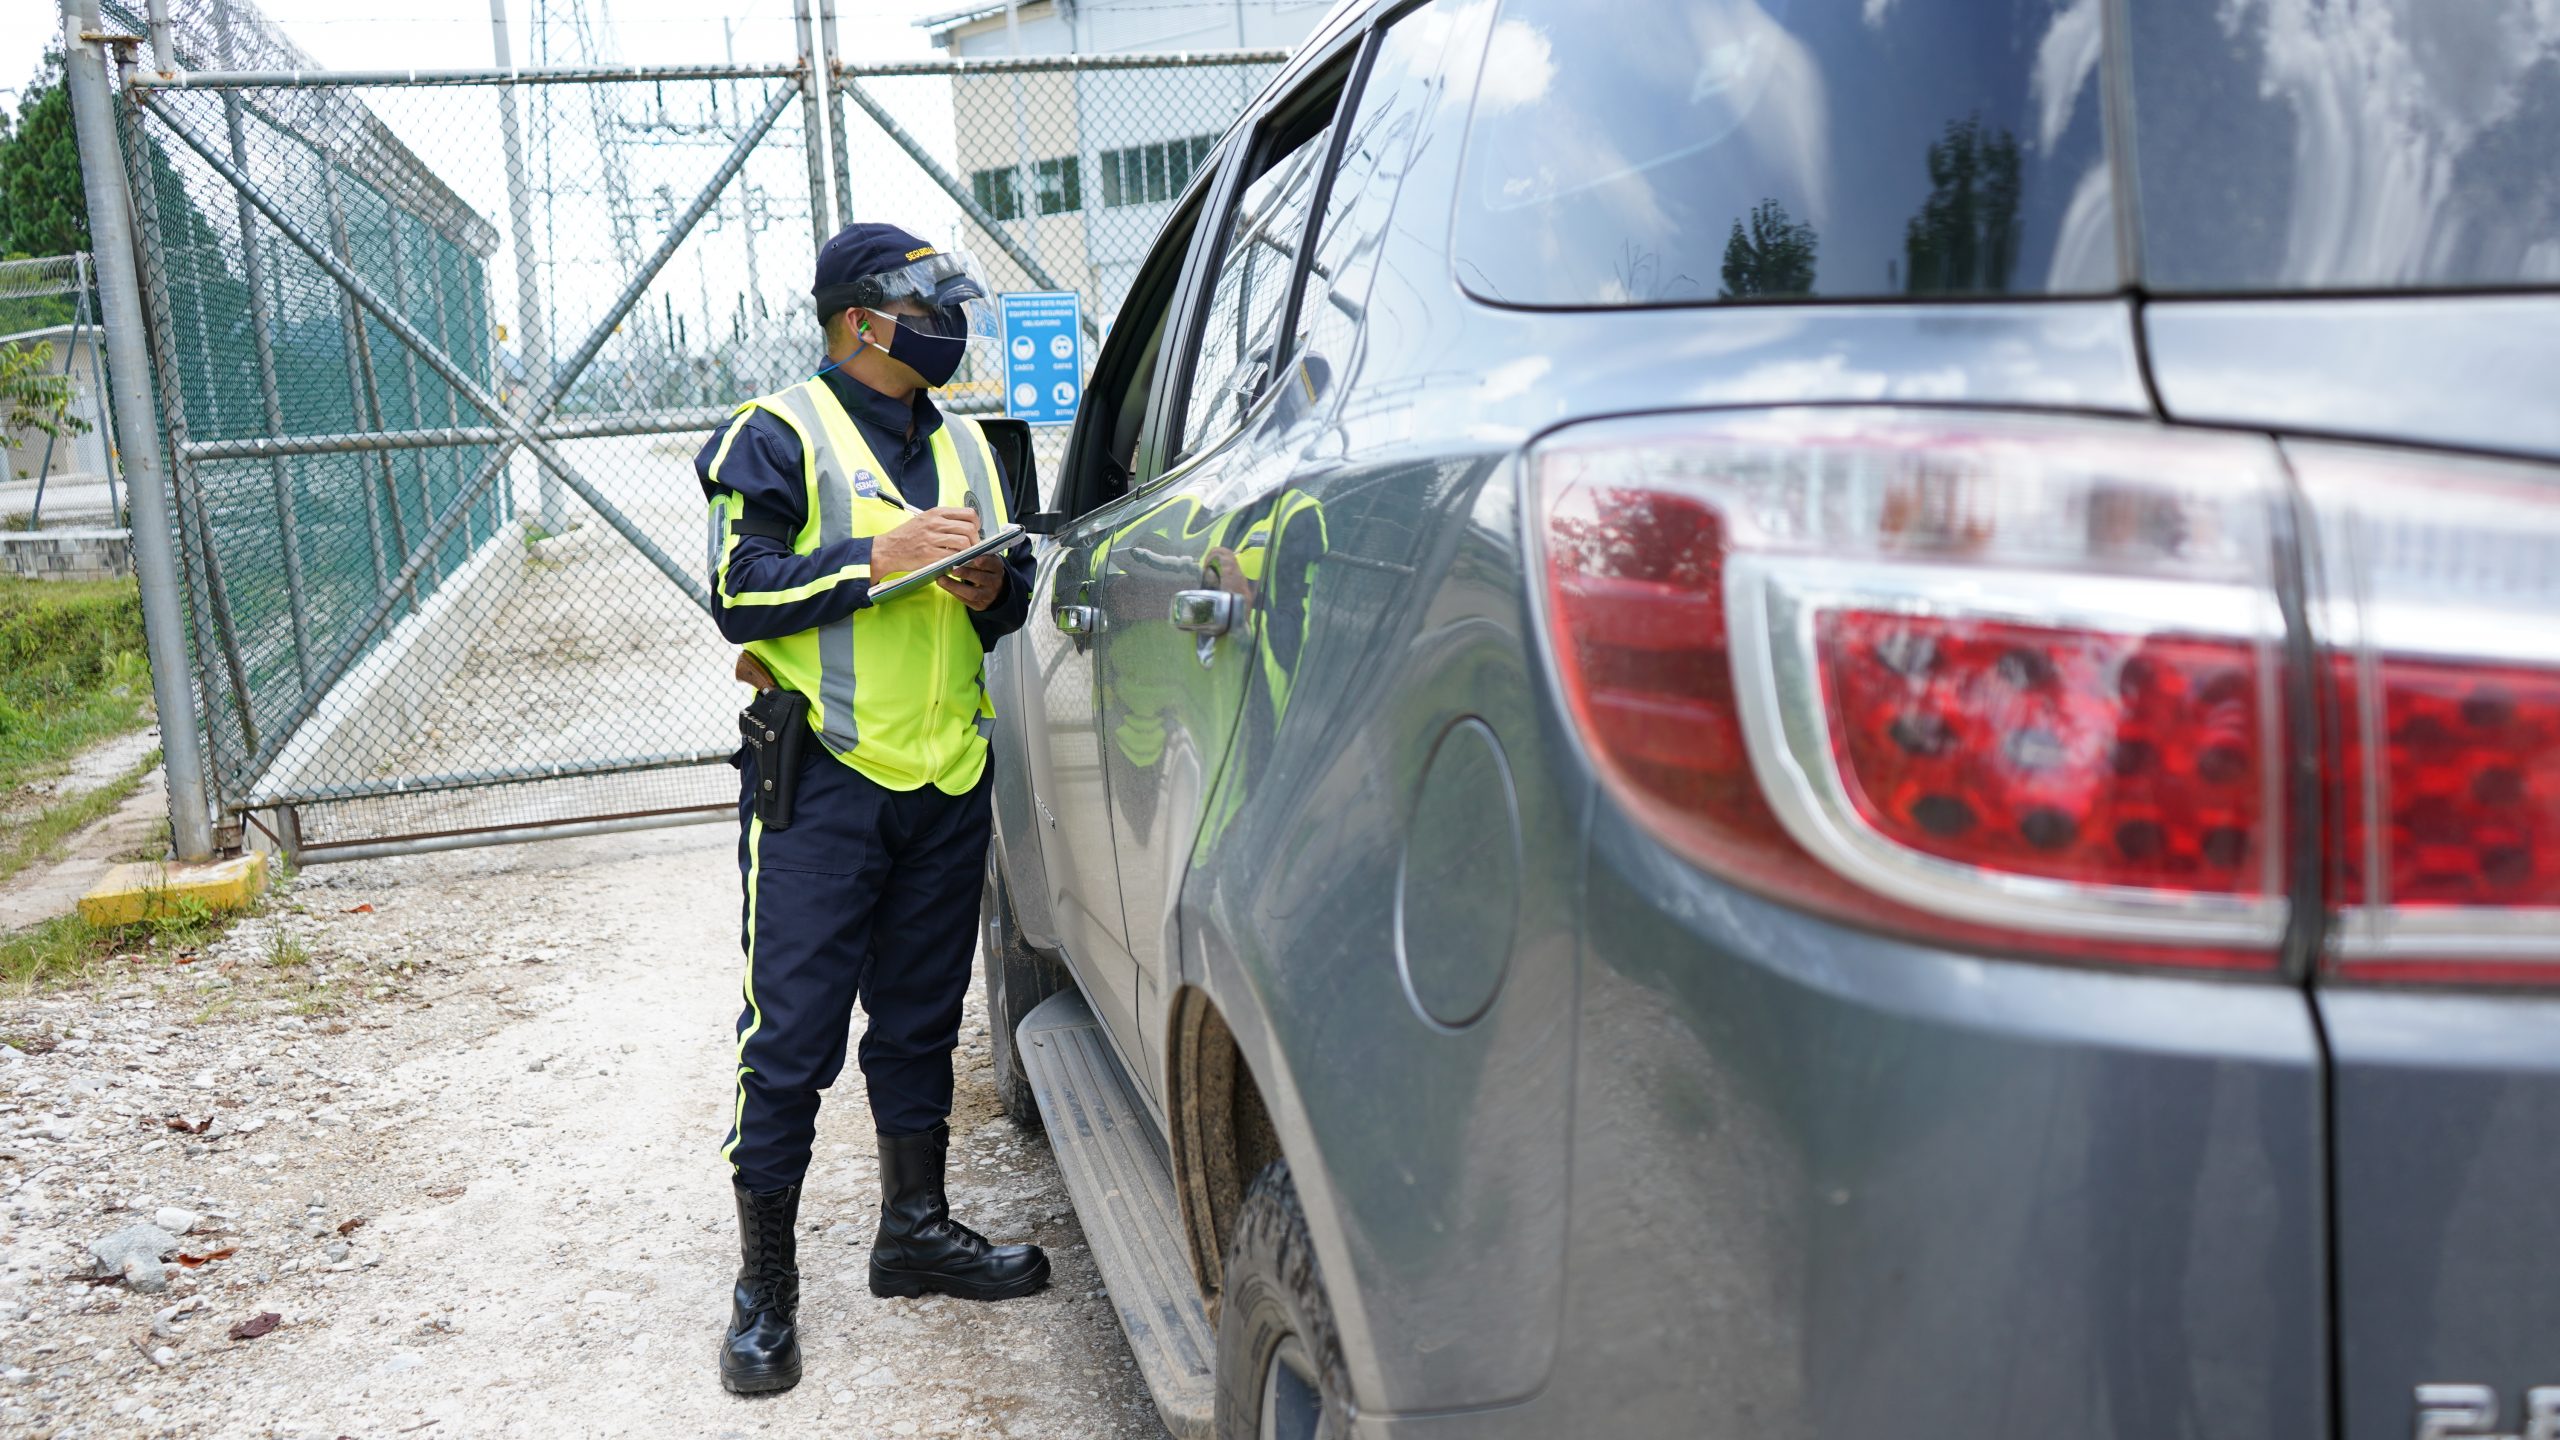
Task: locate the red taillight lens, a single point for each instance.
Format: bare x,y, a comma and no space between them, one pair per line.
2439,584
2471,766
2096,758
1995,683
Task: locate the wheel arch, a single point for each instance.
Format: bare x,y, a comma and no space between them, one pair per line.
1220,1130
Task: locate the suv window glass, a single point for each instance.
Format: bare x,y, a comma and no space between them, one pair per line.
1261,253
2286,146
1676,151
1103,452
1377,140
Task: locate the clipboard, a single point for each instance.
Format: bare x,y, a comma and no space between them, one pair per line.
918,579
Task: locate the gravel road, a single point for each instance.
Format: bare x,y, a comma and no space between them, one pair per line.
459,1121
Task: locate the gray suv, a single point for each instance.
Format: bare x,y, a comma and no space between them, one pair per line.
1835,718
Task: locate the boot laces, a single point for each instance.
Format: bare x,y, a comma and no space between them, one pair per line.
765,1281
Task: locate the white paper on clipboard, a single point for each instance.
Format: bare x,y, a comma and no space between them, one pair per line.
918,579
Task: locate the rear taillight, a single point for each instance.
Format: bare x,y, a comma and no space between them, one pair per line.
2438,586
1995,682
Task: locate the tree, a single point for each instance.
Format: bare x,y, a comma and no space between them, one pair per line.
1965,238
1774,257
33,394
43,210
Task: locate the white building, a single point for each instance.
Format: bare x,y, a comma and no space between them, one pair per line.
1082,166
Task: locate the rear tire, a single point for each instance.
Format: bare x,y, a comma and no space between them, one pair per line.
1280,1371
1018,978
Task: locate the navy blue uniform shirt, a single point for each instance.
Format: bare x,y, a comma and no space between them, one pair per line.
763,465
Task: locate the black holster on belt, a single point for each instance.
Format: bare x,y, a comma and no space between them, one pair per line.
775,726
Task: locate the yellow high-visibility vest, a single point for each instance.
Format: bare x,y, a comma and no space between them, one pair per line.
896,690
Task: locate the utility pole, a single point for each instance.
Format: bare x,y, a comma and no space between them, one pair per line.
533,342
155,555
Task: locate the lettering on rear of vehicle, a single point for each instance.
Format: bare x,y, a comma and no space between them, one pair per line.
2470,1412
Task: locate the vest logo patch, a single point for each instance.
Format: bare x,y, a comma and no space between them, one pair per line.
866,484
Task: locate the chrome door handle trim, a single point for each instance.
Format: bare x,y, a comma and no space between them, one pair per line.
1206,612
1078,619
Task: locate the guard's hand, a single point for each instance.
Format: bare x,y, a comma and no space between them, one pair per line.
928,537
977,583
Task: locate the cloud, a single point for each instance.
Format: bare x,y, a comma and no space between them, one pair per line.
2065,59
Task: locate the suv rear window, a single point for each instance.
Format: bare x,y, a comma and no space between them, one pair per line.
1644,152
2290,146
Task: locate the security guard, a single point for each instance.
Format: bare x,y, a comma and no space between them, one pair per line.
864,814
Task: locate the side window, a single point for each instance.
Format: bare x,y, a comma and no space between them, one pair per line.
1260,253
1104,447
1377,143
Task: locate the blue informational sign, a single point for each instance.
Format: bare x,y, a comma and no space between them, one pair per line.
1043,355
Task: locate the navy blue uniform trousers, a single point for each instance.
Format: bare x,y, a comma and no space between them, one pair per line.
871,894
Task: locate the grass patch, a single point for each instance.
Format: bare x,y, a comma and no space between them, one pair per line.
70,948
41,839
284,952
72,671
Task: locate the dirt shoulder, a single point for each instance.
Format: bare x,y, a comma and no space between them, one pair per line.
464,1113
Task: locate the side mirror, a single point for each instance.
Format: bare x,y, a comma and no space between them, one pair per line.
1011,440
1045,522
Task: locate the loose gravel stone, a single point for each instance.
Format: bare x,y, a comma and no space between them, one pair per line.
115,1253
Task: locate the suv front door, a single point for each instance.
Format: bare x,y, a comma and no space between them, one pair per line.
1175,581
1108,447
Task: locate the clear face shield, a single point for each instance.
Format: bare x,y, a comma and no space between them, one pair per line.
935,297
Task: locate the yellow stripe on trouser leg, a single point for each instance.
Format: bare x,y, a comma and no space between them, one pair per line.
755,873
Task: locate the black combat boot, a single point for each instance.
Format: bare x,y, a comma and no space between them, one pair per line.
921,1249
762,1351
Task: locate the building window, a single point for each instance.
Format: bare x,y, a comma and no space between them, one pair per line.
1061,190
998,192
1145,174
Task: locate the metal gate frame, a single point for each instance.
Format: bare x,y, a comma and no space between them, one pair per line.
171,531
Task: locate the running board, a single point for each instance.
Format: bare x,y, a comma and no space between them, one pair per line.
1114,1163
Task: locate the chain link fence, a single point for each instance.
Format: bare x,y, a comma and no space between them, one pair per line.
434,353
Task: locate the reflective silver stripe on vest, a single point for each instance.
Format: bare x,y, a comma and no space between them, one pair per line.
835,523
967,439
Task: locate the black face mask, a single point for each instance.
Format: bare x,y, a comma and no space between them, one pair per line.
936,358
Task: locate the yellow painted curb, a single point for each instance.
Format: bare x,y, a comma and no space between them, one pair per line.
141,892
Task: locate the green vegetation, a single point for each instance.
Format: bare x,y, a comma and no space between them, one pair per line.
40,838
72,672
34,394
70,948
43,210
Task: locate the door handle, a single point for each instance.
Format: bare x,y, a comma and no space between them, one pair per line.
1206,612
1080,620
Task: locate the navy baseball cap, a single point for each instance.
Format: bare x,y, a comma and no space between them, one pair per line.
875,266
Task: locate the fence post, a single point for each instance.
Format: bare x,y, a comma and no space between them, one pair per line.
98,389
535,341
813,77
155,559
835,113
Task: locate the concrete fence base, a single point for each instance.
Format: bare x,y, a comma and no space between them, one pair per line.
86,554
